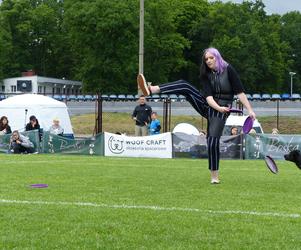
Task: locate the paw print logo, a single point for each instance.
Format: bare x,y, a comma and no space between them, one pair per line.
116,145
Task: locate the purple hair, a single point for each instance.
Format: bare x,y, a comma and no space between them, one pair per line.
221,64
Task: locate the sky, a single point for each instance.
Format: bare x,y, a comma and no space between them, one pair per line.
276,6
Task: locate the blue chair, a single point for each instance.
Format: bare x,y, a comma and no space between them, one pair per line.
58,97
81,98
89,98
275,97
121,97
130,98
250,98
72,97
256,97
181,98
163,96
285,97
113,97
105,97
295,97
173,97
266,97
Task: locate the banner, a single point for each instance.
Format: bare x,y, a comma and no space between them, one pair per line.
33,136
195,146
276,146
156,146
83,146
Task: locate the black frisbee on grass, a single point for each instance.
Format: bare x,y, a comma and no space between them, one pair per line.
269,161
248,125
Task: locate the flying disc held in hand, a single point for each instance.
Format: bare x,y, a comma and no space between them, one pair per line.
248,125
233,110
40,185
271,164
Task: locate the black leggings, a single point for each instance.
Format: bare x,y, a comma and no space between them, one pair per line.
216,120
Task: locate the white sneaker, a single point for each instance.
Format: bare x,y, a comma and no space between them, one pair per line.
214,181
143,85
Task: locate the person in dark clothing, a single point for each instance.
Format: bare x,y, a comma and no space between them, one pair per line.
33,125
142,117
20,144
220,83
4,127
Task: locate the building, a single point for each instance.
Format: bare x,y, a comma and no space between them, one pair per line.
35,84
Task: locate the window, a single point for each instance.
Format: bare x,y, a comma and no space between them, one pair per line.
13,88
39,89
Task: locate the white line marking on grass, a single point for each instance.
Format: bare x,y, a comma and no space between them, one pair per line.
156,208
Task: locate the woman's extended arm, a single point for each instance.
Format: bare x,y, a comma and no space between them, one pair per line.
244,100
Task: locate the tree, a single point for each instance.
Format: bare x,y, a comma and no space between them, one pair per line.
291,33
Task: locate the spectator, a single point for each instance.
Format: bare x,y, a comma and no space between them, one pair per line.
20,144
275,131
33,125
202,133
4,127
252,131
234,131
142,116
56,128
155,126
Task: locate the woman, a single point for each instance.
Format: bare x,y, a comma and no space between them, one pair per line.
220,83
56,128
234,131
4,127
34,125
20,144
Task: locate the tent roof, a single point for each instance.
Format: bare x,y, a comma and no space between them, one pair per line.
30,100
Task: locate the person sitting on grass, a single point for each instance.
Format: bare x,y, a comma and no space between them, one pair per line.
20,144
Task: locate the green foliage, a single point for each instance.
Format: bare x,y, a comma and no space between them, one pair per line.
97,41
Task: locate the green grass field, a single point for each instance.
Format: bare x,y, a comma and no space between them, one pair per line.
129,203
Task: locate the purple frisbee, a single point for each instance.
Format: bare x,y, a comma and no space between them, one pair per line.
233,110
271,164
248,125
39,185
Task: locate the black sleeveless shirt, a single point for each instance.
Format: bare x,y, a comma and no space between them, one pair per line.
222,87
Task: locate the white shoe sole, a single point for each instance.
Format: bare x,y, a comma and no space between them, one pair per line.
142,85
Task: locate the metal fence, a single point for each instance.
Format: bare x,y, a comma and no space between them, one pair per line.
112,113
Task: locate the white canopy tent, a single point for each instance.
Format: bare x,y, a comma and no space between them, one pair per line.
19,108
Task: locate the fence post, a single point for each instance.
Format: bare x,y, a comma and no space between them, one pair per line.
278,114
166,115
99,114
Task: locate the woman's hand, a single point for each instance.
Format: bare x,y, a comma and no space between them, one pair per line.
213,104
223,109
252,114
